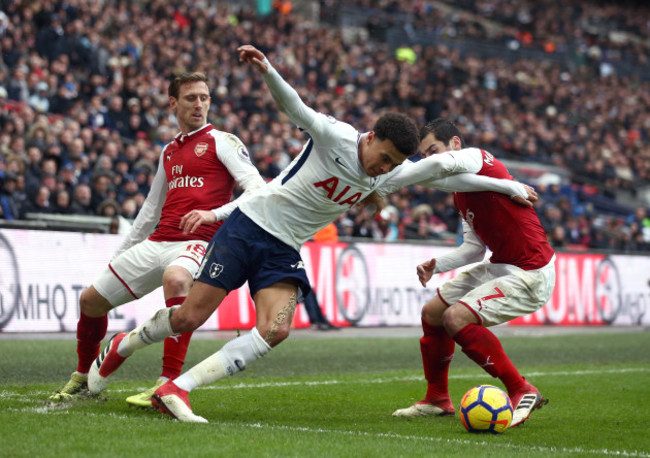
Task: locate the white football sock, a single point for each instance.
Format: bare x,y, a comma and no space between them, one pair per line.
155,329
232,358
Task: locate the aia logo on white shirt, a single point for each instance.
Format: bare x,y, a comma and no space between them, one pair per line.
488,158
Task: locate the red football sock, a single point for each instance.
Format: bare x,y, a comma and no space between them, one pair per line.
175,348
90,332
484,349
437,349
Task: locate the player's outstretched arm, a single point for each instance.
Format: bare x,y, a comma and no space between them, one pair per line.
285,96
522,194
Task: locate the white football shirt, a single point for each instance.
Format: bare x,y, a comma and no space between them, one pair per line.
326,178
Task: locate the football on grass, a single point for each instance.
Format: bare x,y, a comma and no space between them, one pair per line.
485,408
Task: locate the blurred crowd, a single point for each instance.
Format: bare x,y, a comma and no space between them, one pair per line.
84,108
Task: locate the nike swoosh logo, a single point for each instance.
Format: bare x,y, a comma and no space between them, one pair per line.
340,162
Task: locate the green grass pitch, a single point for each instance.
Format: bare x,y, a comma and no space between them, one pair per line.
324,396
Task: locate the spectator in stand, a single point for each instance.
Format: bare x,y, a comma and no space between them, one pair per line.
39,204
40,101
101,187
9,206
118,118
129,208
82,200
33,170
557,238
387,224
639,222
574,121
68,176
62,203
109,207
419,228
364,224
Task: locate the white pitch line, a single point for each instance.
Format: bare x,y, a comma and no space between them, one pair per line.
403,437
255,385
64,410
535,448
411,379
248,385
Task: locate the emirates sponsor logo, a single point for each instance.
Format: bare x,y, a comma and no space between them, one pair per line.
185,182
200,148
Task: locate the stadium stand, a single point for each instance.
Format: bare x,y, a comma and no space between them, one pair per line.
559,92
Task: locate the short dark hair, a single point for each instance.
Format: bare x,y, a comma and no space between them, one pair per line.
400,130
193,77
443,129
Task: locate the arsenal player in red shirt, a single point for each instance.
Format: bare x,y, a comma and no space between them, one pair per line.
190,196
516,280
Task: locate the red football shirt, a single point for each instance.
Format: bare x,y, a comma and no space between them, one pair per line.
513,233
196,180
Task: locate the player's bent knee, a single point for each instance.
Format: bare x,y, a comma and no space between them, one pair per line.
429,317
432,312
456,318
176,282
93,304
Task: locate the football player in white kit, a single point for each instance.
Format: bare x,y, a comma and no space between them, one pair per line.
190,195
260,241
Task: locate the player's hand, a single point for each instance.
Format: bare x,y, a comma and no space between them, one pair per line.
373,202
425,271
531,196
251,55
192,220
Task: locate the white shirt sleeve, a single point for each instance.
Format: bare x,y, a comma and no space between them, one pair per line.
232,153
471,250
288,100
432,168
469,182
455,171
149,214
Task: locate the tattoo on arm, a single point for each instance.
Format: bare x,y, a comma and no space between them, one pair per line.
285,314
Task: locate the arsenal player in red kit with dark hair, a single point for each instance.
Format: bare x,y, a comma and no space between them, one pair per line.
516,280
190,196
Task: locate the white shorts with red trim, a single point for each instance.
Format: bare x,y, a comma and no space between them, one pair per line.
139,270
497,293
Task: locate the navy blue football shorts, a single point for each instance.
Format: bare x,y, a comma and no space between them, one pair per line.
242,251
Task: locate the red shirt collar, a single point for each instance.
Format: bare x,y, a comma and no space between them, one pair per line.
180,138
